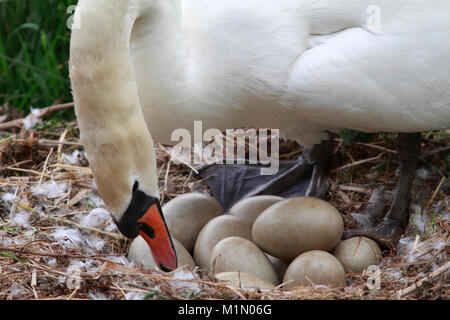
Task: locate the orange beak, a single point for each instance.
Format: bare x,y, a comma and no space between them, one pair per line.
153,228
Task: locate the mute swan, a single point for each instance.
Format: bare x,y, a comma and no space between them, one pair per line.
304,66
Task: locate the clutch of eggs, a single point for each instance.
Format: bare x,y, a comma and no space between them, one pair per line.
262,241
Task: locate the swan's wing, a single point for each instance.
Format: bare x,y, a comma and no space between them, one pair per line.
392,77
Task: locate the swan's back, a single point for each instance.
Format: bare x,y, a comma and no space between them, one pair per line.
317,64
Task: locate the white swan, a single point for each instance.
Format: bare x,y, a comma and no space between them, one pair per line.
303,66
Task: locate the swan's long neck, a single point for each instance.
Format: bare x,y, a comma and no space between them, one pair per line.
157,42
161,57
112,125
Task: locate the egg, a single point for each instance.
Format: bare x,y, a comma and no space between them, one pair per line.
187,214
358,253
249,209
290,227
279,265
238,254
215,230
140,254
314,267
244,280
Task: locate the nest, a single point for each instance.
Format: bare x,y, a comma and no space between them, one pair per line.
56,242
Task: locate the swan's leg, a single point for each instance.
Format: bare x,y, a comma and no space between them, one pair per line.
390,230
319,156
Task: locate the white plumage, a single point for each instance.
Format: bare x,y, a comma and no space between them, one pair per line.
303,66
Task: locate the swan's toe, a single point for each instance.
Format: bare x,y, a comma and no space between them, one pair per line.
386,234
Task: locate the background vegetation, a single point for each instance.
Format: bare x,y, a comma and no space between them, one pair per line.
34,52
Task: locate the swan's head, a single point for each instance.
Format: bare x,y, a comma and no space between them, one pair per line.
126,178
143,216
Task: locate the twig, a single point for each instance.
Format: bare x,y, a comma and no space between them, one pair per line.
166,178
407,264
18,164
55,255
418,284
344,197
357,163
176,158
27,171
2,141
355,189
435,193
54,143
45,166
110,234
77,198
436,151
14,206
85,170
60,144
72,294
290,154
377,147
42,113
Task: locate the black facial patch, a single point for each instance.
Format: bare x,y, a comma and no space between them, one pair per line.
135,186
139,204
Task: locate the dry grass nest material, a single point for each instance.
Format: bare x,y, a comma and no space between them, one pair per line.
54,245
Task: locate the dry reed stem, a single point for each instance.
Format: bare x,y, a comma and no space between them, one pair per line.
24,264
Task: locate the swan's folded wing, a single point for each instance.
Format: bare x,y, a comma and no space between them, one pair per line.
394,78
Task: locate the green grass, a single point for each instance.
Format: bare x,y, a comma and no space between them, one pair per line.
34,52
